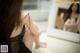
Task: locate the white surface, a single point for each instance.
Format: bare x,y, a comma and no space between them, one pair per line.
41,50
57,46
52,14
61,46
39,15
74,37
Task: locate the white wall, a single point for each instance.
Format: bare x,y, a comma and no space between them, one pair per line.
42,12
52,14
39,15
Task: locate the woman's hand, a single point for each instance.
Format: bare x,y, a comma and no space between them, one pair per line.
36,36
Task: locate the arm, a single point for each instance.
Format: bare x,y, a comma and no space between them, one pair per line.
34,30
35,33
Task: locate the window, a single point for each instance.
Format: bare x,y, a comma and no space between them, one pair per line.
36,4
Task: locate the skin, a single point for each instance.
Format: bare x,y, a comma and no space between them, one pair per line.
31,35
70,24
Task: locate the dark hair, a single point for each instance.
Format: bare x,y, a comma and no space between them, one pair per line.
10,13
70,8
69,11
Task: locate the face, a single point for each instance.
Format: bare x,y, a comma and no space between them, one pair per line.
74,8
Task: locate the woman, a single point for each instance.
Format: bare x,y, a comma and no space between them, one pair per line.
71,18
16,28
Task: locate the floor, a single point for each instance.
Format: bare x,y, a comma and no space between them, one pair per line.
61,46
55,45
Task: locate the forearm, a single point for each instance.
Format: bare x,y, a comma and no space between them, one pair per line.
35,32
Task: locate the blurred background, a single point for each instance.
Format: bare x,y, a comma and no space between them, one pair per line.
39,11
44,12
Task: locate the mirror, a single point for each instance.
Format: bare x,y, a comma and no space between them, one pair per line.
58,24
61,24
